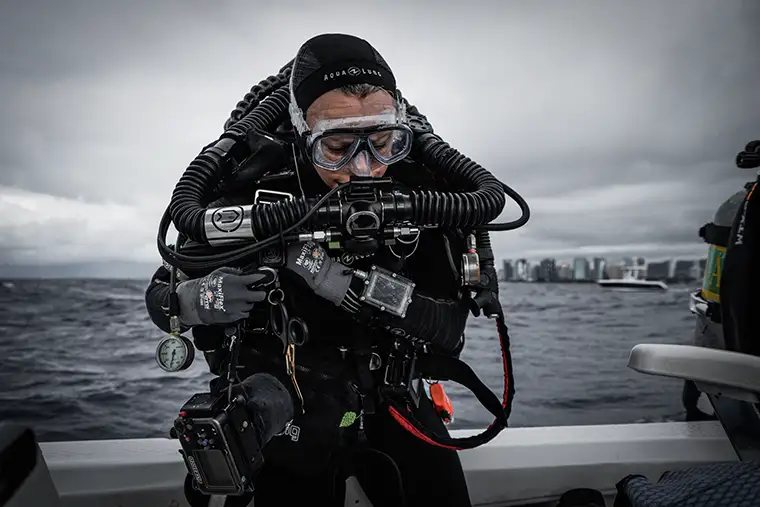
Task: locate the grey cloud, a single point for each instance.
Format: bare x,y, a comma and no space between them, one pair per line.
109,102
82,38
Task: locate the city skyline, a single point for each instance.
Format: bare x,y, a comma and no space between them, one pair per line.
611,258
589,270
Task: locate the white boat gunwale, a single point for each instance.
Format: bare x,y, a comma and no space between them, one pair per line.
521,466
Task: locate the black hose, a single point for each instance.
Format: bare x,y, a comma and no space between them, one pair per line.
481,202
463,174
268,114
257,92
197,186
213,261
514,224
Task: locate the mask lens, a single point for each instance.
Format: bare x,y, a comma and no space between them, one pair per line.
333,150
390,144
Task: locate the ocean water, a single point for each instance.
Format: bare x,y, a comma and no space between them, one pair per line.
77,358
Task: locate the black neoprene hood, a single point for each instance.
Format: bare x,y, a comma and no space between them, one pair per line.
330,61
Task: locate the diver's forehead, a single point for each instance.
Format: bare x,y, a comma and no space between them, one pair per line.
335,104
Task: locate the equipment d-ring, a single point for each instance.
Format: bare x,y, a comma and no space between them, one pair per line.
275,296
298,332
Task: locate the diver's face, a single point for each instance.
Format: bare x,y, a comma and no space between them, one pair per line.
335,105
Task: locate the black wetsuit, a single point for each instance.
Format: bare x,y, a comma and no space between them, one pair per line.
431,475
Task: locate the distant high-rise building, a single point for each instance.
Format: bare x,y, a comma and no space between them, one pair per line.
580,269
507,269
564,272
658,270
522,270
535,273
683,271
599,268
547,271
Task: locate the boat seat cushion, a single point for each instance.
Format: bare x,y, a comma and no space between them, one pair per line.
715,485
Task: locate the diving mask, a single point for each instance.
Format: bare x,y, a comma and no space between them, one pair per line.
359,144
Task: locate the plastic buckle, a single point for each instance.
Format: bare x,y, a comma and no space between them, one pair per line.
262,196
399,379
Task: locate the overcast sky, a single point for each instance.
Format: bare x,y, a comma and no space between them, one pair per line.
617,121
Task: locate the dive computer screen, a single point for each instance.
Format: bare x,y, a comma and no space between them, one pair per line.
389,292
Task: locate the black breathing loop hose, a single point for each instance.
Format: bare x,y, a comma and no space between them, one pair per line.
210,262
263,109
197,186
464,174
258,91
455,209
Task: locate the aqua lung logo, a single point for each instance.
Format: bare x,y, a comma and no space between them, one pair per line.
194,468
353,72
227,219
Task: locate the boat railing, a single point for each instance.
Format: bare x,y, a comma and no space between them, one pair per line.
731,381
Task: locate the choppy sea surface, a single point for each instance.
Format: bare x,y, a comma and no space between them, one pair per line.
77,358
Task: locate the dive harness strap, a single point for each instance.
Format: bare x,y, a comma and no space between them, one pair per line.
449,368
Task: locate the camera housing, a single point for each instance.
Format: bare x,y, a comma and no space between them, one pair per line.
220,444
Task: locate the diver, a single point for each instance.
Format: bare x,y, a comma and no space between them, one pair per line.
346,121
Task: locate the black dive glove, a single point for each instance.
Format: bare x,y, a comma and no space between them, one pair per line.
223,297
328,279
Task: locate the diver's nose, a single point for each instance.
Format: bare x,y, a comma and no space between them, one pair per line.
361,165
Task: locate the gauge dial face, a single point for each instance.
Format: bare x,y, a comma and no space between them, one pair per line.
173,354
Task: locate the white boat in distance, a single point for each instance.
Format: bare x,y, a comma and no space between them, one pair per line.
630,280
